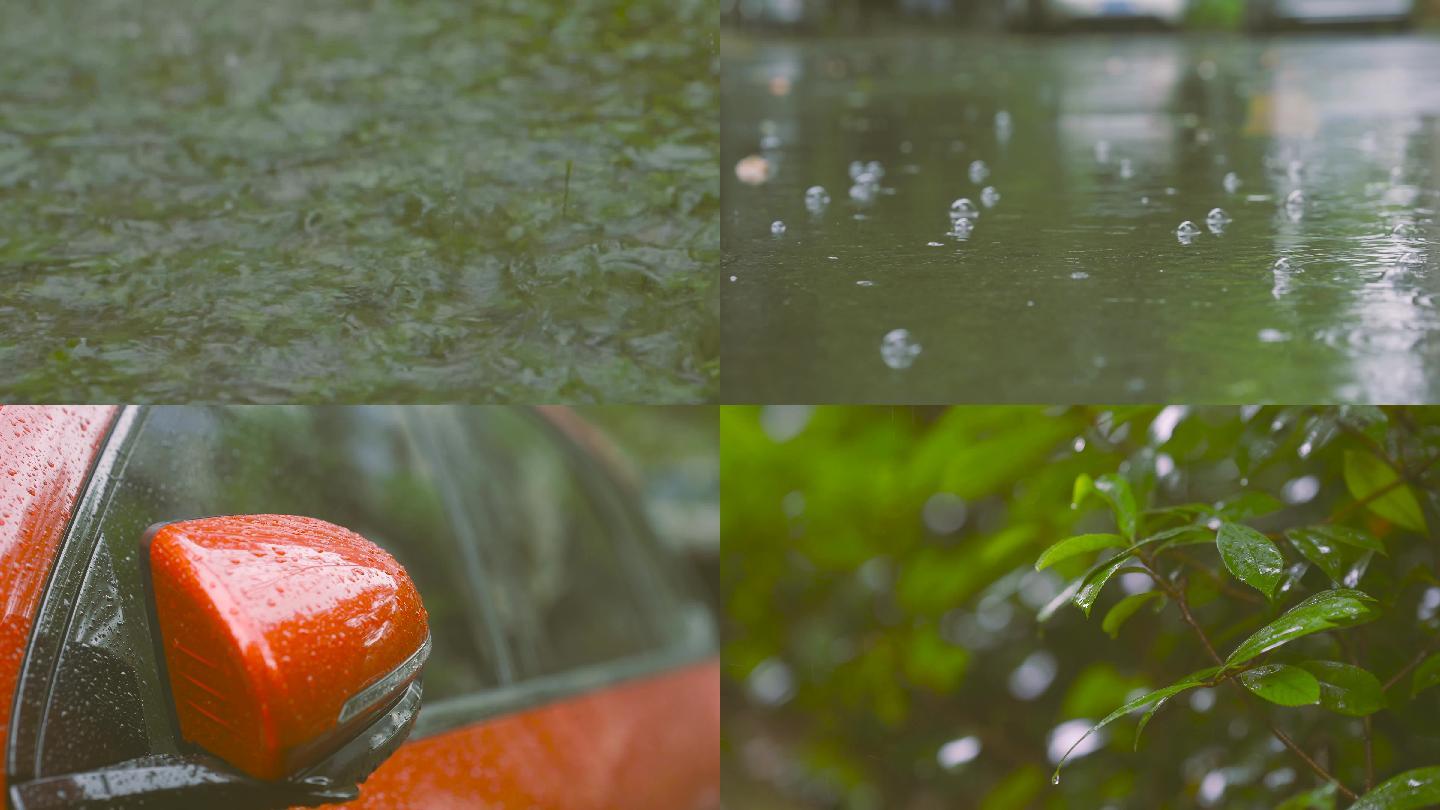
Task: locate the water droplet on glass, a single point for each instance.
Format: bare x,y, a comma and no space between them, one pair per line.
963,209
979,171
777,227
989,196
897,349
1232,182
816,198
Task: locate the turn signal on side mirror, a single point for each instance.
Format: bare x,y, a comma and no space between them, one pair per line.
283,636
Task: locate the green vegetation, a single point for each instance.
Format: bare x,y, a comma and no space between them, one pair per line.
940,608
359,200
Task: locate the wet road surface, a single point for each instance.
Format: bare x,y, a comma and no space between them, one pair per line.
1074,286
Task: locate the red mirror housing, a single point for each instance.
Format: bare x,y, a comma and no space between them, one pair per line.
283,636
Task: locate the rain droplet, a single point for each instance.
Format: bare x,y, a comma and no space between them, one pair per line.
961,228
1055,780
1187,232
1232,182
897,349
979,171
777,227
1127,169
816,198
1216,220
963,209
989,196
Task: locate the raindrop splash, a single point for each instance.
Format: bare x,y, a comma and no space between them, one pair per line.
989,197
979,171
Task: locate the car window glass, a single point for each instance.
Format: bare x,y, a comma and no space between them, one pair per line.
566,573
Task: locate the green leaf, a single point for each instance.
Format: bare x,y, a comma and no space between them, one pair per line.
1251,557
1321,798
1248,505
1084,486
1282,684
1326,610
1159,695
1115,489
1331,557
1077,545
1365,475
1344,535
1409,790
1124,609
1426,675
1346,689
1094,581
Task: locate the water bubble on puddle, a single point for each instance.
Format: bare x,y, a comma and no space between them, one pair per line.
1102,151
1295,203
963,209
1187,232
961,228
777,227
1003,125
1127,169
1273,336
733,279
989,196
816,198
1216,220
898,349
978,171
1232,182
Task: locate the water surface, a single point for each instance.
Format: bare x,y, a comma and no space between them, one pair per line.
1074,287
358,200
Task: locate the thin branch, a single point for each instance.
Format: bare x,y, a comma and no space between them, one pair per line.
1414,662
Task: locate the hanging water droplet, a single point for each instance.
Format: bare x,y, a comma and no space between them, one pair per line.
777,227
898,350
1232,182
963,209
978,171
1055,780
816,198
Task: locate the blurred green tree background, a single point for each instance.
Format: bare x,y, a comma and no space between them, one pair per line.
881,641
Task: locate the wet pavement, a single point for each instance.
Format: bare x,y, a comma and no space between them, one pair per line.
1074,286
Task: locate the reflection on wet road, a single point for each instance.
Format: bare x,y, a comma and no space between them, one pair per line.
1079,283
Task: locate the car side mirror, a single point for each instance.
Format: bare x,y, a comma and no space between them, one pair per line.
292,646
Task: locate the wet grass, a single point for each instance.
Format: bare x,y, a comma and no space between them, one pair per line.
348,201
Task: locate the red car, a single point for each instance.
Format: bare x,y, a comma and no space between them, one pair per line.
395,607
